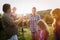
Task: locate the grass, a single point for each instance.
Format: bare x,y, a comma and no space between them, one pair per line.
27,34
51,35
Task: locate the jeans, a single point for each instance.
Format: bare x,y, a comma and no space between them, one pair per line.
14,37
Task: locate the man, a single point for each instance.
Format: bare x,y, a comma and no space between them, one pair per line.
33,24
10,27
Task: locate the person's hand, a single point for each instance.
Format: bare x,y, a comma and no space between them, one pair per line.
18,20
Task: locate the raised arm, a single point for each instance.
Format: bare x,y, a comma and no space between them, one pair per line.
28,23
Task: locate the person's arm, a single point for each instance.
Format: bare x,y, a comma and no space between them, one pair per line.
12,21
28,23
39,17
18,20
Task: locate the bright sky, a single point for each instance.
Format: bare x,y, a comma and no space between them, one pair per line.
25,6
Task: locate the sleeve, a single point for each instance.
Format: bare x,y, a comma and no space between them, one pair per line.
39,17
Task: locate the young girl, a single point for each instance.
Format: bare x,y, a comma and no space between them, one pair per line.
56,24
43,30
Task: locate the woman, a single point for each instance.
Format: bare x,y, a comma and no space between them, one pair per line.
56,24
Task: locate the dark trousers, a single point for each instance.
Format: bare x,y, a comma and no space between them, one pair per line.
57,36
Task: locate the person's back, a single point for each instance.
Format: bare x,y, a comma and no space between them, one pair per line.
9,26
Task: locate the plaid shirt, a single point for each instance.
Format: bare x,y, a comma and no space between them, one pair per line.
33,22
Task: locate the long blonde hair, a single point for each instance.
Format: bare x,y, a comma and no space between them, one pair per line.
55,11
44,23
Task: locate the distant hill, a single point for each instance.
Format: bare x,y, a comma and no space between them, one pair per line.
44,13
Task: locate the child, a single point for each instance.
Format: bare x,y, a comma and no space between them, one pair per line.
56,24
14,15
43,30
